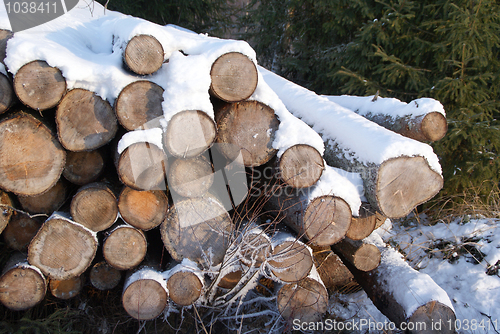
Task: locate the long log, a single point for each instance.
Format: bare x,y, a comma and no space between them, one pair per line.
21,230
361,254
143,54
300,166
124,247
104,277
66,289
331,269
185,283
6,209
84,167
191,177
31,158
141,208
47,202
85,121
7,95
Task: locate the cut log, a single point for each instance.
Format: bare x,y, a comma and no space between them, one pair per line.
139,105
233,77
185,283
189,133
361,254
94,206
47,202
362,225
5,35
191,177
380,220
143,166
197,229
247,127
84,167
104,277
22,285
85,121
31,158
255,245
230,280
66,289
21,230
39,86
300,166
331,269
6,210
62,248
125,247
7,95
143,54
145,294
144,210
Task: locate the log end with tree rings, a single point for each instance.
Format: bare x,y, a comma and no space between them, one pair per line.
143,166
360,253
31,158
21,230
230,280
7,95
143,209
144,299
104,277
248,126
404,183
139,105
6,209
83,167
94,206
143,55
363,225
189,133
62,248
434,126
66,289
47,202
85,121
433,313
234,77
290,261
184,287
39,86
125,247
5,35
301,166
326,220
191,177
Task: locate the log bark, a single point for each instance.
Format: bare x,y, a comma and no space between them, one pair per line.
198,229
84,167
124,247
143,54
62,248
22,285
66,289
362,225
300,166
104,277
39,86
47,202
84,121
234,77
6,209
94,206
143,209
331,269
139,105
7,95
191,177
361,254
185,283
31,158
21,230
247,127
189,133
5,35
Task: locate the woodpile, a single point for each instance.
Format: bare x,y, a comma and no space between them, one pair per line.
89,174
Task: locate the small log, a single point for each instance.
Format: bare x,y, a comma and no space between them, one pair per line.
62,248
145,294
85,121
189,133
94,206
230,280
139,105
124,247
191,177
143,166
197,229
185,283
39,86
361,254
362,225
143,209
233,77
47,202
5,35
66,289
300,166
255,245
7,95
143,54
84,167
331,269
104,277
21,230
6,209
31,158
380,220
22,285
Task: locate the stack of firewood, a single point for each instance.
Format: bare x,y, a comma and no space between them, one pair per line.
88,185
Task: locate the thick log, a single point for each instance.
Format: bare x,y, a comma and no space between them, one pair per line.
124,247
143,54
66,289
143,166
300,166
39,86
31,158
47,202
191,177
332,271
6,209
185,283
84,167
21,230
189,133
234,77
145,294
5,35
362,225
198,229
104,277
94,206
139,105
7,95
62,248
22,285
85,121
143,209
361,254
